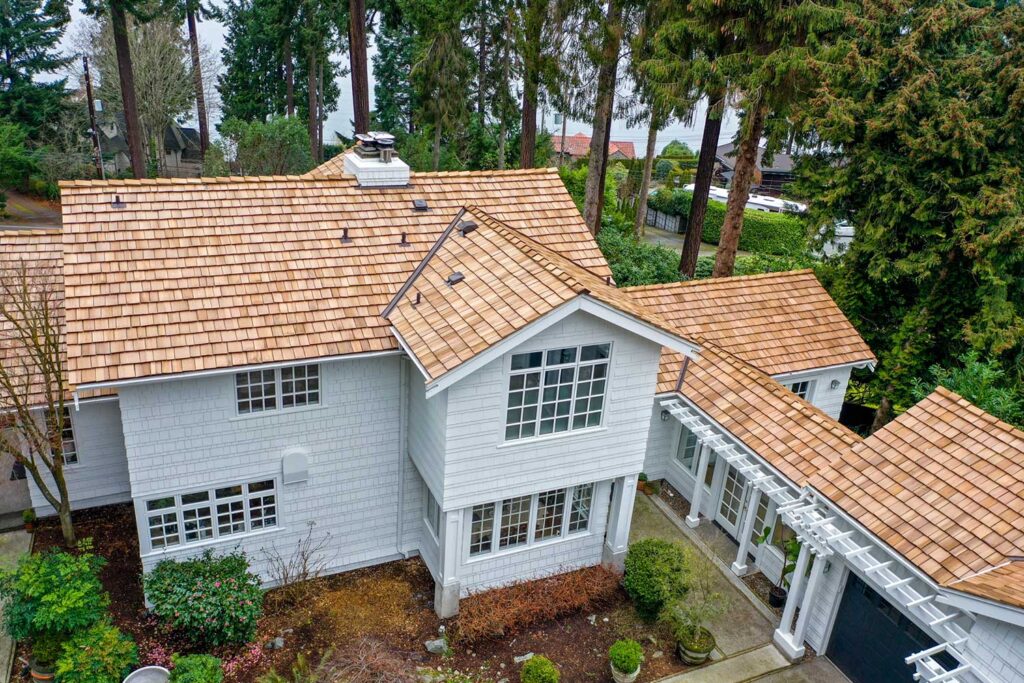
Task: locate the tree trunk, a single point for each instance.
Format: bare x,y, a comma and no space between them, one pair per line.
481,63
311,103
133,134
882,415
561,146
435,158
592,203
67,529
531,81
357,62
289,79
645,180
197,77
603,175
503,110
743,176
702,184
320,114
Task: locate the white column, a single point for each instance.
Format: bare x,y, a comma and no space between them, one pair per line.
447,588
704,454
616,536
739,567
807,604
784,633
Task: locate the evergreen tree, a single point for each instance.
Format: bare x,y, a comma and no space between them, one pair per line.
921,115
30,31
392,69
253,86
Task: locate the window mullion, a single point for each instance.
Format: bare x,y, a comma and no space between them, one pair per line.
532,524
572,396
495,544
570,496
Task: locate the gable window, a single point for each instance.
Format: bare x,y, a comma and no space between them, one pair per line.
524,520
801,389
202,515
431,512
686,453
556,390
258,391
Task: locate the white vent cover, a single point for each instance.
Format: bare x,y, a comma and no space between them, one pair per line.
295,465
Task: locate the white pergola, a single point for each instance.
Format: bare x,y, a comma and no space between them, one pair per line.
825,532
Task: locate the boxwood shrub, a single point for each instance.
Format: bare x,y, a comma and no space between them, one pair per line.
655,575
196,669
626,656
539,670
763,232
215,600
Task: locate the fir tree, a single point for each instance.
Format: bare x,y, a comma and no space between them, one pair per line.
392,69
29,33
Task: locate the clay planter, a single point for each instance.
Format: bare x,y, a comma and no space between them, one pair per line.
40,672
620,677
697,653
776,596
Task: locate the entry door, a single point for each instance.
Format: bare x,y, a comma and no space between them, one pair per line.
731,505
871,638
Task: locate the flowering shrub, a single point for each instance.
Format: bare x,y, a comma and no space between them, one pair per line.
196,669
244,662
99,654
215,600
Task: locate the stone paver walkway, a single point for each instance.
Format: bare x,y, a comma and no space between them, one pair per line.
743,635
13,545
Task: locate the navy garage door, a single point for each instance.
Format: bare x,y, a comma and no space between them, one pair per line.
871,638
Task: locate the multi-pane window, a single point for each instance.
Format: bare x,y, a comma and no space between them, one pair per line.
209,514
69,450
556,390
524,520
258,391
431,512
579,516
686,454
801,389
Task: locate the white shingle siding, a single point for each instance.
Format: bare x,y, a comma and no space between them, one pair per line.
575,552
822,395
997,650
825,605
661,440
101,475
185,434
479,462
427,432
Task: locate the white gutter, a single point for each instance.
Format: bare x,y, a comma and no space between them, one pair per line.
870,365
231,370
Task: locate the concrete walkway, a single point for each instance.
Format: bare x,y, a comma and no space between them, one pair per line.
13,545
743,635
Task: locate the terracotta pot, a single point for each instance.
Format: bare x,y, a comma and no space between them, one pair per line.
620,677
40,672
777,596
692,655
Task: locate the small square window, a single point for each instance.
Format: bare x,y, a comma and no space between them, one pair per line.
523,361
481,532
300,386
579,515
515,521
255,391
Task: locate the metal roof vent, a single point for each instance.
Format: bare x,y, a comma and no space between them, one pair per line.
117,203
466,227
345,239
405,241
455,278
419,205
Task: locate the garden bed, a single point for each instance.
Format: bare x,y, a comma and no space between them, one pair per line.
383,612
675,500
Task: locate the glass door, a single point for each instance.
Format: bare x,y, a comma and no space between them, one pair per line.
733,489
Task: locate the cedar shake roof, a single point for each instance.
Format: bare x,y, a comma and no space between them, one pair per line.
1003,584
197,274
777,322
510,281
942,484
795,437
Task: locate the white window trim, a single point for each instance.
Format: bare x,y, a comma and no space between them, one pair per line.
279,406
427,496
508,372
531,541
812,385
142,516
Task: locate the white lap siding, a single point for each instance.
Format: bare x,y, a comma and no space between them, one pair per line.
185,435
100,477
821,394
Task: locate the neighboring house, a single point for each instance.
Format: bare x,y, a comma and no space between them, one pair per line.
578,147
439,365
774,177
179,155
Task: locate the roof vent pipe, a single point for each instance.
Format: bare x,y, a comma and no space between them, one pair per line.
405,242
117,203
344,236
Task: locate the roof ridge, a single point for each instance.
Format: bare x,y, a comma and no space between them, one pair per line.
720,280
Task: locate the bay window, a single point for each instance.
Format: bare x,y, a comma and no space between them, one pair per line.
524,520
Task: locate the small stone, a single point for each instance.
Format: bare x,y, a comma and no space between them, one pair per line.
523,658
658,655
651,639
437,646
605,620
276,643
592,619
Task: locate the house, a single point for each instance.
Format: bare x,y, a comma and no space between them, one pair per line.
774,176
440,365
180,155
578,147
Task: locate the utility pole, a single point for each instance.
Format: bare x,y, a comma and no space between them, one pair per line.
92,120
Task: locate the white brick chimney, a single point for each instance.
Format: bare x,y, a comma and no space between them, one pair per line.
374,163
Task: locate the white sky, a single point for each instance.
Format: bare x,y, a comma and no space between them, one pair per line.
212,33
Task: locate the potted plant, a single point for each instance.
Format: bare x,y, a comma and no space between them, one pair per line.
42,663
29,517
641,482
691,615
791,552
625,657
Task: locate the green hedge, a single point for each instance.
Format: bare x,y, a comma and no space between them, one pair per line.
763,232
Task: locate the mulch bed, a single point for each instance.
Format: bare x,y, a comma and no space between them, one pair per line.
674,499
387,607
759,585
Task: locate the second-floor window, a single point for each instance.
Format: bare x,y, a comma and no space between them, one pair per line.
557,390
801,389
258,391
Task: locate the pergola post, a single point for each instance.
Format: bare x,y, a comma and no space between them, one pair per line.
693,519
784,633
739,567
